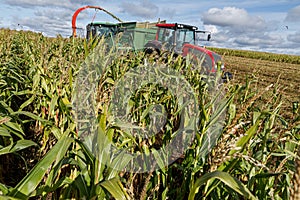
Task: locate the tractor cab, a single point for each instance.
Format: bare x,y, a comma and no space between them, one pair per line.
171,37
99,29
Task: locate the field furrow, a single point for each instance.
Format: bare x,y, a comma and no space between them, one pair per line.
268,72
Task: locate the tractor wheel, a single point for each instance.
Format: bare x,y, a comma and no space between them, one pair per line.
151,50
227,76
152,53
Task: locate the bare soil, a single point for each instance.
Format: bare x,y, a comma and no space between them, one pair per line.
286,75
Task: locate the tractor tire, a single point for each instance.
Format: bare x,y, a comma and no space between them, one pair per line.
151,51
227,76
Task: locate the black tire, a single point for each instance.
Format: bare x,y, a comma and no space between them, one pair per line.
227,76
151,50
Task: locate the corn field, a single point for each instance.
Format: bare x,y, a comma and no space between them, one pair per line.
42,155
283,58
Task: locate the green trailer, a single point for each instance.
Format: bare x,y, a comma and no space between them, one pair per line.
133,35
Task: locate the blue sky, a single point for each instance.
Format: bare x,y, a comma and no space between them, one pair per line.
271,26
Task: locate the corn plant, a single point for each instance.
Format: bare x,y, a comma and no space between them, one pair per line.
243,146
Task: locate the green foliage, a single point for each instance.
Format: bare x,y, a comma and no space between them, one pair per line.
251,157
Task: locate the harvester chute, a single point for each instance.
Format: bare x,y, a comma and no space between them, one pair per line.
86,7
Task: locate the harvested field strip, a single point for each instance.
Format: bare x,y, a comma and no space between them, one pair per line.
268,72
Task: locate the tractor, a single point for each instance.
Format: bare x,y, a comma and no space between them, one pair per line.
133,35
154,37
180,39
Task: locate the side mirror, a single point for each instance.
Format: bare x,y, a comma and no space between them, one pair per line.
208,37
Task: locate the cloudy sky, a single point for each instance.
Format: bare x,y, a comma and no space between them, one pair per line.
271,26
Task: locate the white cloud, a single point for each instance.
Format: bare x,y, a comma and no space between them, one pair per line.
29,3
221,38
169,13
50,22
235,28
295,38
70,4
59,15
211,28
233,17
259,40
293,15
227,16
144,9
51,17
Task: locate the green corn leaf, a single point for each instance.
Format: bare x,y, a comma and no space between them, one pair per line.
161,161
26,103
82,186
29,183
102,121
232,112
6,149
102,154
56,132
4,132
7,198
36,80
256,116
241,143
227,179
24,92
58,184
214,127
51,183
210,139
115,188
119,162
220,111
110,80
4,189
6,107
22,144
32,116
11,127
53,103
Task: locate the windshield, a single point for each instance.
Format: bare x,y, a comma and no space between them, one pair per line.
186,36
174,39
100,30
104,30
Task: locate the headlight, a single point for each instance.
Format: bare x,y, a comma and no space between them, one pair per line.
219,64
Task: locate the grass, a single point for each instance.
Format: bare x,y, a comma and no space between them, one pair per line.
254,156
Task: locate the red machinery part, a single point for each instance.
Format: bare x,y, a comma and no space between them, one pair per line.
83,8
